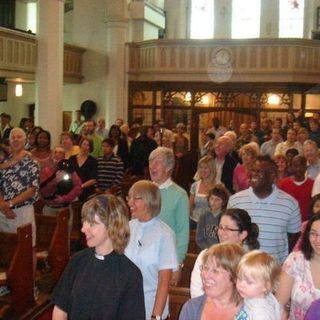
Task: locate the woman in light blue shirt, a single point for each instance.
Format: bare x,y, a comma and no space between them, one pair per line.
151,247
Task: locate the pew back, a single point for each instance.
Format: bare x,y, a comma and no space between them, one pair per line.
20,274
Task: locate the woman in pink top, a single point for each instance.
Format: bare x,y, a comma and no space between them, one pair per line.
248,154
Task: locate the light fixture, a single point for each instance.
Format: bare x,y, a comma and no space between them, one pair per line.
273,99
205,100
18,90
188,97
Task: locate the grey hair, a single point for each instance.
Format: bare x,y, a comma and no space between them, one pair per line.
309,141
166,154
17,129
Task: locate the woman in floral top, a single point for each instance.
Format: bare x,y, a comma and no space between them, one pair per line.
300,278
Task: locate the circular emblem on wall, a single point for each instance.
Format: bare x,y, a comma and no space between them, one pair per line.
220,67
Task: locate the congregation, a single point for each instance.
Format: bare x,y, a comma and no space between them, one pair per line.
253,205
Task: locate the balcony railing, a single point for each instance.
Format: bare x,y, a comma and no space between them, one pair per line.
254,60
18,57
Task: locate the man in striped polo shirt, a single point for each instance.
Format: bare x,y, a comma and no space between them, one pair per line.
110,168
275,212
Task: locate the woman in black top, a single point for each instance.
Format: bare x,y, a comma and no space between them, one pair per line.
100,282
86,168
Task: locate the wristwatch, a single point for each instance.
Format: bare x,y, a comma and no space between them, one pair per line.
153,317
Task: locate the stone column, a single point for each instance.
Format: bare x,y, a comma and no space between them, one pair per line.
222,19
178,19
49,71
269,21
117,88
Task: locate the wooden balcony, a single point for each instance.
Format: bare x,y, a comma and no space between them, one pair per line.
253,60
18,57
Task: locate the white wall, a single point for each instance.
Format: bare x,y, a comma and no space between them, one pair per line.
17,107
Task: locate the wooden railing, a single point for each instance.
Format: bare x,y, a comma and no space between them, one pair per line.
18,57
253,60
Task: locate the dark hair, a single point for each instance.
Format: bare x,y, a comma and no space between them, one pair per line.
47,133
313,201
244,223
266,158
117,128
89,141
109,141
35,130
219,190
68,134
306,247
211,135
292,151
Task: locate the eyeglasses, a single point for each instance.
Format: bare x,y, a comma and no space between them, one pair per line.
313,235
136,198
212,270
226,229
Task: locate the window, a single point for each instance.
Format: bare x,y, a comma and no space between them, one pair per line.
202,19
291,18
245,19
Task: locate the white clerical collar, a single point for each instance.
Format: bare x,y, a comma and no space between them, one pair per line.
166,184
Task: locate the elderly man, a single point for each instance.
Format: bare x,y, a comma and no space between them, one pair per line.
174,202
311,153
275,212
225,163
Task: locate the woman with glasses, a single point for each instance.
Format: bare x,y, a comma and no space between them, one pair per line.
235,226
152,247
100,282
300,277
218,272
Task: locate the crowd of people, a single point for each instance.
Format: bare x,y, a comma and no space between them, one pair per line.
254,205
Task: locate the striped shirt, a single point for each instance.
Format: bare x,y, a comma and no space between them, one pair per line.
110,171
276,215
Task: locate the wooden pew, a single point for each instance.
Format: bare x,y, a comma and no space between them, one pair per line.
16,259
77,238
53,243
177,297
193,248
189,261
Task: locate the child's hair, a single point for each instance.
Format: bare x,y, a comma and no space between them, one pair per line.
260,266
219,190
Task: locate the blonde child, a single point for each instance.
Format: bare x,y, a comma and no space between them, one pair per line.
257,276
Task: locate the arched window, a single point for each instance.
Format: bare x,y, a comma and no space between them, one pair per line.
291,18
202,19
246,19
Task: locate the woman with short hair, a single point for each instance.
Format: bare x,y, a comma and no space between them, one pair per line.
151,247
100,282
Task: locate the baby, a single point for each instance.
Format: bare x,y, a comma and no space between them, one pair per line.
257,276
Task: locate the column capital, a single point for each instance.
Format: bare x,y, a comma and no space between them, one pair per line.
116,22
